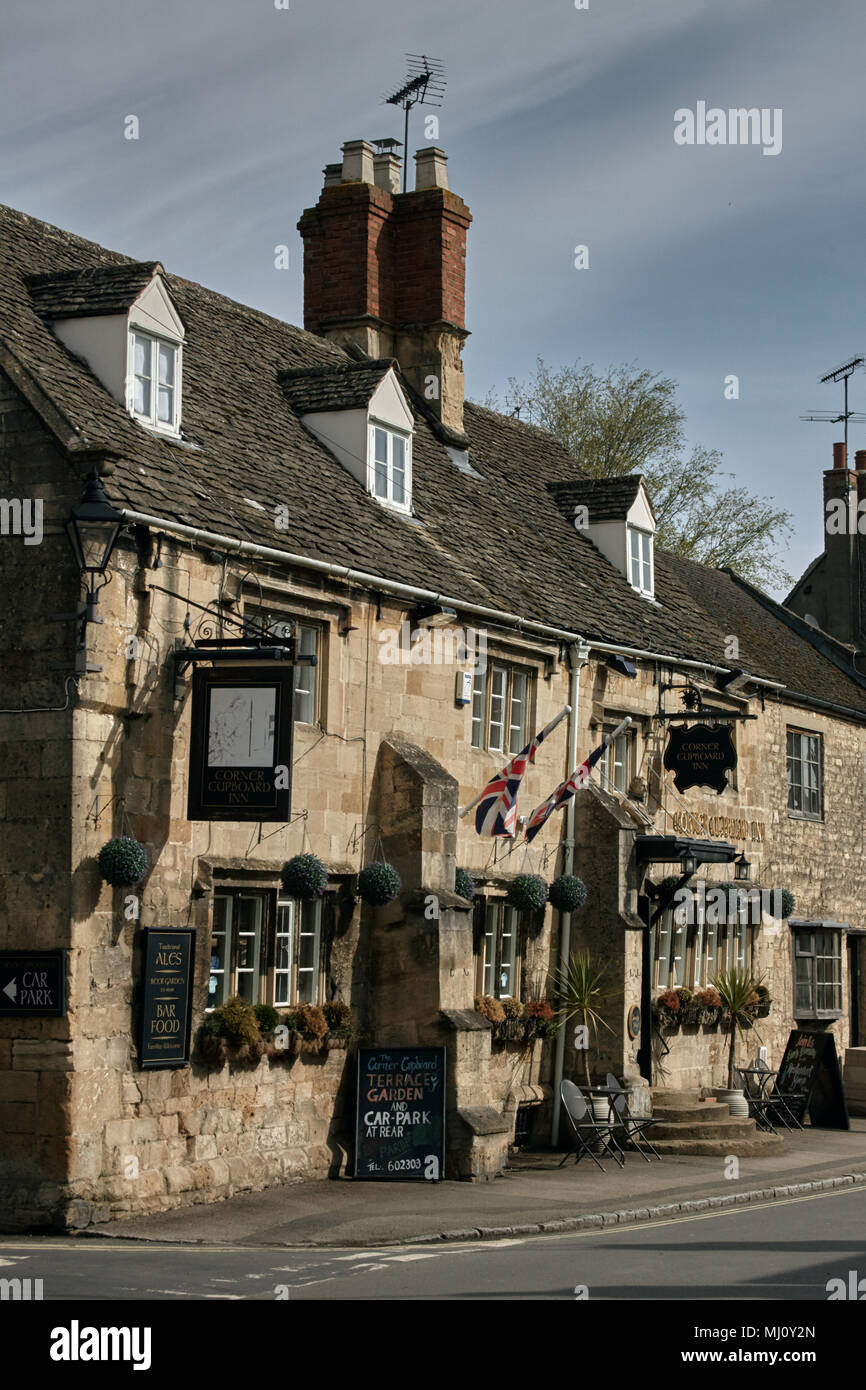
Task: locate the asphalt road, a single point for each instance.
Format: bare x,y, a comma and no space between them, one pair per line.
780,1250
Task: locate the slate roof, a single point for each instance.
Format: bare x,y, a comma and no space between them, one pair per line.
107,289
497,540
346,385
606,499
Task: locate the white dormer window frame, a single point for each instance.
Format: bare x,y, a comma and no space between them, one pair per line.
154,380
389,465
641,563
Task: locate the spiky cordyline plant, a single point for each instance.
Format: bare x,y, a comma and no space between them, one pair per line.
736,989
578,994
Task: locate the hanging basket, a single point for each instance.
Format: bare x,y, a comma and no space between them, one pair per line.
379,884
305,877
568,893
528,892
789,902
464,885
122,861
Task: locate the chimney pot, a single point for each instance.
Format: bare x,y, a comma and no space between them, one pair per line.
840,460
860,460
430,170
357,162
386,171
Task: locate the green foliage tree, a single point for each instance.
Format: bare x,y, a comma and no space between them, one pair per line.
627,420
578,994
739,991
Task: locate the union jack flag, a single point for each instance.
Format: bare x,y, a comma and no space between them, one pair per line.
565,791
497,805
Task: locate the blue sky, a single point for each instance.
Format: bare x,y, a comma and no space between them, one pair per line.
558,124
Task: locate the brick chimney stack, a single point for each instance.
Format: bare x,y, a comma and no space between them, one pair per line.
840,549
387,270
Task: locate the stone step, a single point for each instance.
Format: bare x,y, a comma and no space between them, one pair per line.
692,1114
725,1129
759,1146
661,1095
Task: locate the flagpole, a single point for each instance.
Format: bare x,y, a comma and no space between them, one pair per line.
504,773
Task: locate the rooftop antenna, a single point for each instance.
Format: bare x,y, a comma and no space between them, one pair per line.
842,374
425,86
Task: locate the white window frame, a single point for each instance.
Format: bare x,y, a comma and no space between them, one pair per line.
500,949
497,683
228,975
300,921
617,754
150,419
796,759
309,636
391,433
645,560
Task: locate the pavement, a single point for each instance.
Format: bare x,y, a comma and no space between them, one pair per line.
533,1196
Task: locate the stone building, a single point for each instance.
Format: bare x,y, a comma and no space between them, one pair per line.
447,583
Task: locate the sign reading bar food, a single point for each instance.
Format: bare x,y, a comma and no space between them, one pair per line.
167,972
241,745
810,1072
400,1129
700,756
32,983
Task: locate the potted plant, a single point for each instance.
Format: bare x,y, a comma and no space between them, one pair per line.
378,884
540,1019
666,1008
308,1024
709,1006
737,990
493,1011
464,885
232,1030
305,877
528,892
689,1010
763,1002
122,861
338,1017
567,893
578,994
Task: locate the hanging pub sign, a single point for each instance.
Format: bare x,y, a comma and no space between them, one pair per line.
241,745
700,756
400,1130
166,1007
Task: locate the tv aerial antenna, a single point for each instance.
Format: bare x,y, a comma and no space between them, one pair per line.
830,417
424,86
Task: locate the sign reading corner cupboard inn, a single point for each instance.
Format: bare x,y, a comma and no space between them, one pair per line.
240,762
700,756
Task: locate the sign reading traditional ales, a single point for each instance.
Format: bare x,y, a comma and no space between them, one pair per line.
31,983
400,1130
700,756
241,745
810,1072
167,961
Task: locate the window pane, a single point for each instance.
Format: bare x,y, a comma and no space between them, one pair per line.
219,951
663,949
283,959
478,710
498,683
507,952
308,952
167,356
634,548
248,939
517,726
165,404
380,457
143,373
398,473
491,913
305,676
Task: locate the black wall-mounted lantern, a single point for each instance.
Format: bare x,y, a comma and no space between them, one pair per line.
742,868
92,529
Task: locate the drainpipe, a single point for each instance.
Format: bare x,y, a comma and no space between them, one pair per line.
578,656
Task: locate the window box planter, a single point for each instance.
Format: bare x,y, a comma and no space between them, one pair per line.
709,1018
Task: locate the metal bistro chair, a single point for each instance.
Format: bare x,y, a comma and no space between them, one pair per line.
759,1105
586,1127
785,1103
633,1125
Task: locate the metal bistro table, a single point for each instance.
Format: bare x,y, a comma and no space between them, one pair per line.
765,1076
611,1092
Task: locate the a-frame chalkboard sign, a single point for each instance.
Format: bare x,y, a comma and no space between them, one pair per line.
810,1071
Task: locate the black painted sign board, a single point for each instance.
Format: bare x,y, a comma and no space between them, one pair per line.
32,983
240,758
166,1007
400,1123
700,756
810,1069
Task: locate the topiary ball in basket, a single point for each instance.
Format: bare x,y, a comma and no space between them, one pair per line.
305,877
568,893
122,861
788,902
379,884
527,892
464,885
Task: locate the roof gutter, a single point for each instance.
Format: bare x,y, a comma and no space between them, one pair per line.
392,586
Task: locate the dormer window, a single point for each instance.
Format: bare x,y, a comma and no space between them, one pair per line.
390,462
154,381
641,561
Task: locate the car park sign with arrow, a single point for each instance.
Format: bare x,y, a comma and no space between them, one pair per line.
32,982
